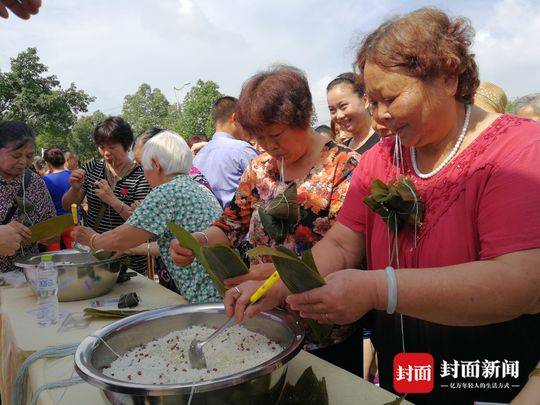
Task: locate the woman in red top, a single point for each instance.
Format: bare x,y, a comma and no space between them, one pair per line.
468,284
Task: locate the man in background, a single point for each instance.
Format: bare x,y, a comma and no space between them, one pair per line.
224,159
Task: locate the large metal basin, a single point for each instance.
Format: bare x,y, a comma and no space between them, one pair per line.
80,275
260,385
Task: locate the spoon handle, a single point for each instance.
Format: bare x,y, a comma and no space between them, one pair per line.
226,325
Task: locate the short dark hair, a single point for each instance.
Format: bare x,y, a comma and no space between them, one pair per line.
54,157
196,139
279,95
145,136
113,130
347,78
223,108
16,132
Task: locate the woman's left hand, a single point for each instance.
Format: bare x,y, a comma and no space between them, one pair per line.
104,192
82,235
346,297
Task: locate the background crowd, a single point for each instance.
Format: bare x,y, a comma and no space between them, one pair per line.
467,281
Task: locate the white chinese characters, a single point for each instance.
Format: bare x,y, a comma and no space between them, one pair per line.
476,369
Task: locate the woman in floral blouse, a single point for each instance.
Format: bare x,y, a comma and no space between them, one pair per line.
275,108
17,144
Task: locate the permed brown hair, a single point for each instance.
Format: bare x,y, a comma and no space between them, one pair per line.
425,44
279,95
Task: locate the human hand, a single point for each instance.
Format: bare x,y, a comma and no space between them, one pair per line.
136,204
10,240
256,272
20,229
181,255
237,299
104,192
76,179
21,8
345,298
82,235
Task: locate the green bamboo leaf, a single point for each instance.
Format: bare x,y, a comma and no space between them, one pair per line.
219,261
396,401
274,227
185,238
284,205
378,189
223,263
297,276
307,258
268,251
307,390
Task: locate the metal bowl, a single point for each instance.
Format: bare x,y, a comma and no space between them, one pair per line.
80,275
259,385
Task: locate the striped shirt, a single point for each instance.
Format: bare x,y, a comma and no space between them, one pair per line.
131,188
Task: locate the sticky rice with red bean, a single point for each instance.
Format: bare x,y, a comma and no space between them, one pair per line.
165,360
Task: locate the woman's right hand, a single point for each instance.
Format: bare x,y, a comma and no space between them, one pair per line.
76,179
180,255
237,299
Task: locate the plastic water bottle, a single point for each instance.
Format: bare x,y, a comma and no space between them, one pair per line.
47,292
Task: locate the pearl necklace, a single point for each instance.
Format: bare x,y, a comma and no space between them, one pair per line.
452,153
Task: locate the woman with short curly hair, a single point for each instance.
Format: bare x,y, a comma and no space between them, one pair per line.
464,285
275,107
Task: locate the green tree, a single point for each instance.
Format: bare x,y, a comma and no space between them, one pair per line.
146,108
80,138
196,114
28,94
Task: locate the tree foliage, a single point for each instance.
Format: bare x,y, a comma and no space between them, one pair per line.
28,94
196,115
80,138
146,108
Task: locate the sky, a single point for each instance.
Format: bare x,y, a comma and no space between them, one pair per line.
110,47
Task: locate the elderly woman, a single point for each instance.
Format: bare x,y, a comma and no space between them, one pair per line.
17,144
467,280
110,184
348,108
164,276
275,107
176,197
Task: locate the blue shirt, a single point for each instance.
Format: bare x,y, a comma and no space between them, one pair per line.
58,185
223,161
